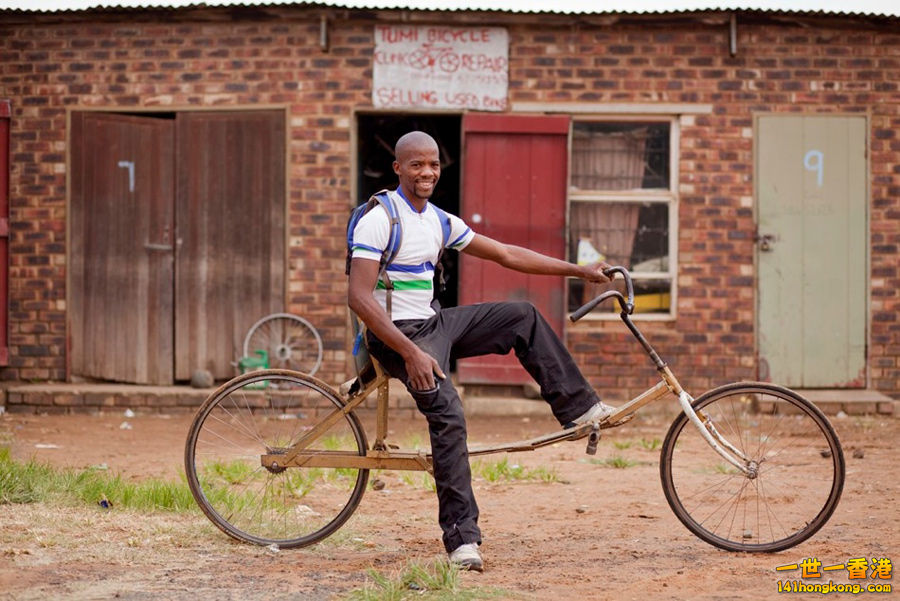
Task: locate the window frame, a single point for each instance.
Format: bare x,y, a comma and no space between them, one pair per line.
669,196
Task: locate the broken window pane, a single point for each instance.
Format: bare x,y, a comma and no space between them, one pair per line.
632,234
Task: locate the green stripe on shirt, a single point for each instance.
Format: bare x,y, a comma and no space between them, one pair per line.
408,285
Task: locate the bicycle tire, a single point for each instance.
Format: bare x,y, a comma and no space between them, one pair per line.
290,342
265,412
794,493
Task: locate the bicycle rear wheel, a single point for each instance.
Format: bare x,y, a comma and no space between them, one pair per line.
265,412
795,451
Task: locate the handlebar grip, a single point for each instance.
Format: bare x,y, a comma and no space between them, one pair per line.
629,285
626,304
587,308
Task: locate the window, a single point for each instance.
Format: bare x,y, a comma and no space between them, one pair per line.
622,210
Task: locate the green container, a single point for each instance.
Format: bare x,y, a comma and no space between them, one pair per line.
255,363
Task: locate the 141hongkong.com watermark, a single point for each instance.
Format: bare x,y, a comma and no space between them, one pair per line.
863,576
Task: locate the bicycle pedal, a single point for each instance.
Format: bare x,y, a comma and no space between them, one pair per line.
593,440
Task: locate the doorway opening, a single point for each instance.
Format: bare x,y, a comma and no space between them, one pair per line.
377,135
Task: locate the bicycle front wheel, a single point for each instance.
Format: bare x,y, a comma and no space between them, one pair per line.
797,469
266,412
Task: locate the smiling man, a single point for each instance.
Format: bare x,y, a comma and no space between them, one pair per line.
416,341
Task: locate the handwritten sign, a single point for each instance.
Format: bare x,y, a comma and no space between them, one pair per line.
441,67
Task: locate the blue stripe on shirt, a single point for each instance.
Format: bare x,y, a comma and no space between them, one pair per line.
458,240
369,248
420,268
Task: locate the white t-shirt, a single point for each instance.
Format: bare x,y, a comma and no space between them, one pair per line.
412,271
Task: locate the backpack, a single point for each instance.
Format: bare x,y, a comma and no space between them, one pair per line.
395,239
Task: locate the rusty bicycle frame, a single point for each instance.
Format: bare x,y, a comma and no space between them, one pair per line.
382,455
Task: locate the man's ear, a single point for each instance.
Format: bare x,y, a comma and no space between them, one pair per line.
396,166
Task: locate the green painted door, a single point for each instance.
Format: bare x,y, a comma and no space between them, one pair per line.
811,178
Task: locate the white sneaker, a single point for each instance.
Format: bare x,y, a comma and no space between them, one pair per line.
467,557
595,414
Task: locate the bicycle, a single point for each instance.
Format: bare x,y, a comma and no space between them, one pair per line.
760,469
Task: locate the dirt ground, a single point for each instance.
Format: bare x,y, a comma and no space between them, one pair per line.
600,532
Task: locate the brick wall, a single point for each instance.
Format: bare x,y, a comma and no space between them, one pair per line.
223,58
828,67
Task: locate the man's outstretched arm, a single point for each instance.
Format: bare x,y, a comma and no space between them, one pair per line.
529,261
420,366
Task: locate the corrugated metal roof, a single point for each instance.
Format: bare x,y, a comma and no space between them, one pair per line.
887,8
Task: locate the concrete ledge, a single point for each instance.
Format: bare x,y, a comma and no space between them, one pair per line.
92,398
861,401
493,406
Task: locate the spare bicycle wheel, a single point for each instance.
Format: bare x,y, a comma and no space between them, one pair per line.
289,341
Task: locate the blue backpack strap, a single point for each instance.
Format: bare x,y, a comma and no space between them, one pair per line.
445,234
396,235
445,225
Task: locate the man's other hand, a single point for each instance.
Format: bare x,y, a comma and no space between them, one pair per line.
421,369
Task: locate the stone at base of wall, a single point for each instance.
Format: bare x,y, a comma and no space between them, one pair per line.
89,398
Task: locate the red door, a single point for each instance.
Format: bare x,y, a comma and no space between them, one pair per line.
514,190
5,114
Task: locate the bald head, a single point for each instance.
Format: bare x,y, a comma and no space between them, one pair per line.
418,166
413,141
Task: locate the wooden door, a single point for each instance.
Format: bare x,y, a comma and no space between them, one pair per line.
812,232
121,212
231,236
514,190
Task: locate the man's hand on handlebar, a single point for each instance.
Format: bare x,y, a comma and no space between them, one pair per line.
595,272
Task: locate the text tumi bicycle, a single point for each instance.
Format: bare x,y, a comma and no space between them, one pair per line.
279,457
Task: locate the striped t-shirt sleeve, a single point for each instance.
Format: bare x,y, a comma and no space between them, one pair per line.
370,237
460,234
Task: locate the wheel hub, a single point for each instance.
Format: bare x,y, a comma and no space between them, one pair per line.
752,470
274,468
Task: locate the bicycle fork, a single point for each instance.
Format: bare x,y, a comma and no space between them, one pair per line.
704,423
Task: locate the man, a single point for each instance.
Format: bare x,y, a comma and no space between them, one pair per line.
415,344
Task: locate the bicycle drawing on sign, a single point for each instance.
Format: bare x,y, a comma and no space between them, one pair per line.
428,56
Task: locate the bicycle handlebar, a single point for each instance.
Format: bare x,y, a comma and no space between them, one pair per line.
626,304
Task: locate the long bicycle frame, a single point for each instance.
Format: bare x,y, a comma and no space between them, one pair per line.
381,456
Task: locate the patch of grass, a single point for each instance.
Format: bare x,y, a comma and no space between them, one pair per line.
435,581
651,444
726,468
22,483
616,461
414,441
502,470
418,480
622,444
33,482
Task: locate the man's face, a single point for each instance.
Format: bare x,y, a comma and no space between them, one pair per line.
418,169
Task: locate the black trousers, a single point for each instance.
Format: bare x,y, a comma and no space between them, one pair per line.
458,332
